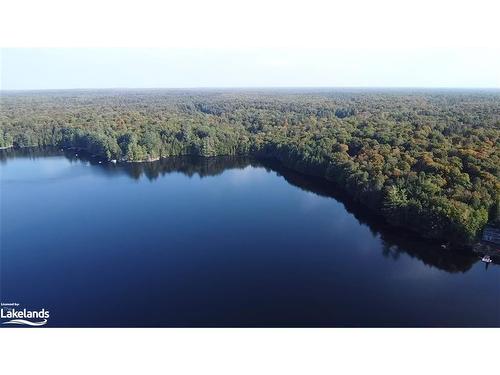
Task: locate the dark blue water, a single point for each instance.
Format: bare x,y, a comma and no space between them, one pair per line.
218,242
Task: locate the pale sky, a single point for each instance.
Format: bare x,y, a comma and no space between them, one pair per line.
62,68
250,43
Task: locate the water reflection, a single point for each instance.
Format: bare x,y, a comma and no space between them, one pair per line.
394,241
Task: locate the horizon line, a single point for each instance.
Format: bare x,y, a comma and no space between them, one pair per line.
190,88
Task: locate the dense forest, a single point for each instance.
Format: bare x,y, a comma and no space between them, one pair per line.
425,160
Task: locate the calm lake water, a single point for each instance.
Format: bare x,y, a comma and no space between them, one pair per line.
218,242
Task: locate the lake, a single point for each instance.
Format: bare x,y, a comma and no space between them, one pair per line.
218,242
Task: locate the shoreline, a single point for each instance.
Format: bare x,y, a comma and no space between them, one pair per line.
445,243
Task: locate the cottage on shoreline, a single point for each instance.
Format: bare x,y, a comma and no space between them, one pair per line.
490,243
491,235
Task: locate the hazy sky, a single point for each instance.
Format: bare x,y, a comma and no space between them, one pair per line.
58,68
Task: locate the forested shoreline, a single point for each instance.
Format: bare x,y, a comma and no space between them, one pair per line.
425,160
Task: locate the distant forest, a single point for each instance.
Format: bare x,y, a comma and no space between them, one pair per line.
425,160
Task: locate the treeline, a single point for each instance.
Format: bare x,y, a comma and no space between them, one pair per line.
428,161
